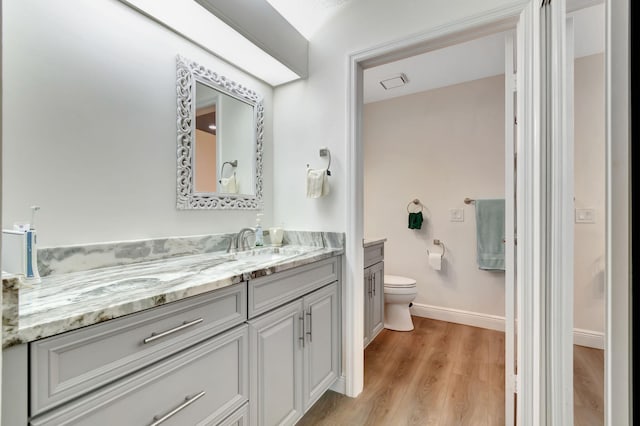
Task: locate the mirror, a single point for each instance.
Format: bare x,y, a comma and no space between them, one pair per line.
219,142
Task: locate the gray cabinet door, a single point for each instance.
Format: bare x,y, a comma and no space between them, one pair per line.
368,291
377,299
322,351
276,342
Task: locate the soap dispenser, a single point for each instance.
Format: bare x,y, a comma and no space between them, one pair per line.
259,233
20,251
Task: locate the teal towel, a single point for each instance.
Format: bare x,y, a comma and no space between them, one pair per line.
415,220
490,234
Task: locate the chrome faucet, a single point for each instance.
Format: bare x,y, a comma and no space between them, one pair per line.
238,242
241,239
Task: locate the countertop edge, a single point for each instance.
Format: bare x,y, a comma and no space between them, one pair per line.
14,335
372,242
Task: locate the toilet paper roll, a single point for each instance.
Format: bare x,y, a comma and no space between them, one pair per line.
435,261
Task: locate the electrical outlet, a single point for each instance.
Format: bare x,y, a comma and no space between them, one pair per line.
585,216
456,215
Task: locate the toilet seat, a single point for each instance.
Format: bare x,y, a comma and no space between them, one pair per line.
401,290
396,281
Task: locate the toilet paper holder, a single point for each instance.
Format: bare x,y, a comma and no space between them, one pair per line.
438,243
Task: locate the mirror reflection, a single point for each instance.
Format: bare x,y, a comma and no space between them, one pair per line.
220,122
224,143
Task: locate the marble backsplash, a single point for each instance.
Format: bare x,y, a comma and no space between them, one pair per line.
66,259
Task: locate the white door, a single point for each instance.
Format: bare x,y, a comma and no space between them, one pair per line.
543,280
560,208
510,228
525,280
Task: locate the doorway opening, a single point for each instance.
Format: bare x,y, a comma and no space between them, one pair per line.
437,39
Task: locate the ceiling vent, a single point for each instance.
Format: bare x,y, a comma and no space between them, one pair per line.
395,81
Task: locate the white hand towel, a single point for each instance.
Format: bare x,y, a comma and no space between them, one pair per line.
229,185
317,183
435,261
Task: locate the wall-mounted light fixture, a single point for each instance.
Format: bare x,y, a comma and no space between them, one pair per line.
192,21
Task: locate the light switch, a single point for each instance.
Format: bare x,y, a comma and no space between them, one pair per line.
456,215
585,216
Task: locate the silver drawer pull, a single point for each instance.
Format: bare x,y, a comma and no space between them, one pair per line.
187,402
184,325
301,338
310,315
374,285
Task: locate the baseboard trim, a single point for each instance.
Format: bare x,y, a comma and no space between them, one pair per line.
458,316
340,385
582,337
589,338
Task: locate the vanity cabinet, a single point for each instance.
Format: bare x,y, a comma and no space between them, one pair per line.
254,353
69,365
202,385
295,348
373,291
144,366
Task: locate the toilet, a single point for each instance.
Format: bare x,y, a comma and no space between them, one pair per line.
399,292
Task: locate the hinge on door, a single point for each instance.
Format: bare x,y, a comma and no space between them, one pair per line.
515,121
514,85
515,383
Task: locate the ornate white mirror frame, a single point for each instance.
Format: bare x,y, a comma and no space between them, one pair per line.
188,73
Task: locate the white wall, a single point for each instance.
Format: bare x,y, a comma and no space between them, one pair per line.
589,251
439,146
312,113
89,124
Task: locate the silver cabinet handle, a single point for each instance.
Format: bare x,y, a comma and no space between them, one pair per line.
187,402
310,314
184,325
371,284
374,284
301,338
369,281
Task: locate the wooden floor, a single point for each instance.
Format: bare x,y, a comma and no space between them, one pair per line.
588,386
440,374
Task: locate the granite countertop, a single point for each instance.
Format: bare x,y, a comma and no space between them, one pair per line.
68,301
368,242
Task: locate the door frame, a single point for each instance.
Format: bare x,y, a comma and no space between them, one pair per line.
531,330
618,363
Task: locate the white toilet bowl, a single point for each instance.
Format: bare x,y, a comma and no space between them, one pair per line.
399,292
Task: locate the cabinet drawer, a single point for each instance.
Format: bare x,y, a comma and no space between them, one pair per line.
66,366
266,293
373,254
202,385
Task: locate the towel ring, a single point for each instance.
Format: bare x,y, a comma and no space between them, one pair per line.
438,243
417,203
324,152
233,163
